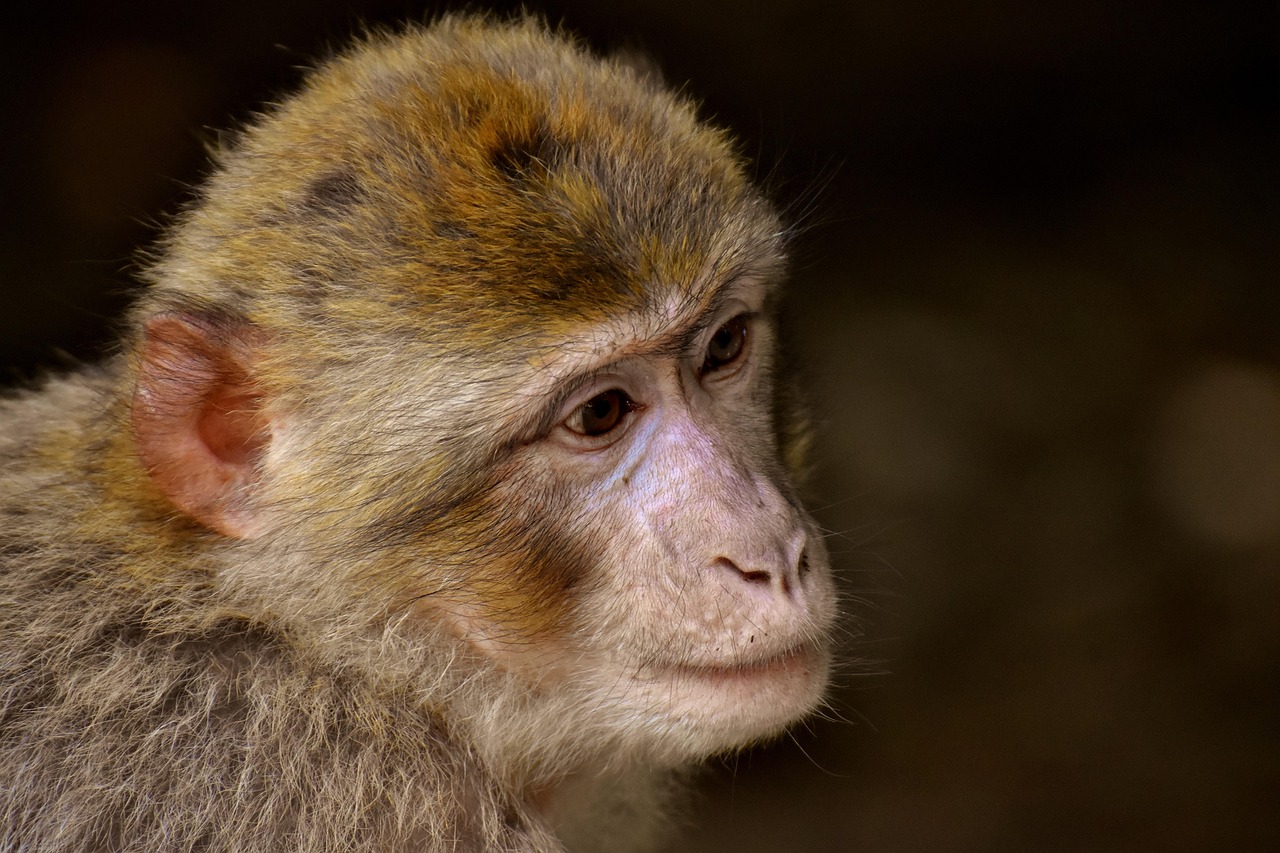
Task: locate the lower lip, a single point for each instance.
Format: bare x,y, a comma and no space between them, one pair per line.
787,664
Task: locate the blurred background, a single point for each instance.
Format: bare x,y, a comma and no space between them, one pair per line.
1036,308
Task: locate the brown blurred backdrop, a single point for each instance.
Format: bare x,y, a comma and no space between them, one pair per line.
1037,303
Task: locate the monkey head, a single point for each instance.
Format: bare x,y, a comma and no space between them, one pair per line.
470,345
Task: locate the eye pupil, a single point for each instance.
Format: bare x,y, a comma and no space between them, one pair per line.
726,344
604,412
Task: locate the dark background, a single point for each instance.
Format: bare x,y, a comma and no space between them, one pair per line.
1037,306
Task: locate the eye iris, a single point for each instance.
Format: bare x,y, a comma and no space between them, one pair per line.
603,412
726,344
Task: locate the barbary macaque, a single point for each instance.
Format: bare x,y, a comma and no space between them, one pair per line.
435,499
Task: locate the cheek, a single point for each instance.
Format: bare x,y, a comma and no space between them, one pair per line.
524,566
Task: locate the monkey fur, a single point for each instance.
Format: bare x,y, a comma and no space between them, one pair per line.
330,557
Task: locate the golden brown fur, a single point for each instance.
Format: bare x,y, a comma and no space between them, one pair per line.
271,652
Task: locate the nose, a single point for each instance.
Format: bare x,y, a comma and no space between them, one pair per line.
779,573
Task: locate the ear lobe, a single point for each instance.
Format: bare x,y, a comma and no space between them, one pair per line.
197,418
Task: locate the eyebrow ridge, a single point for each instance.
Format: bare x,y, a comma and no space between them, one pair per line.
675,342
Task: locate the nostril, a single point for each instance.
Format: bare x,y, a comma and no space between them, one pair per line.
754,576
802,565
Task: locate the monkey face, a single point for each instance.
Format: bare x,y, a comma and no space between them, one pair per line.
665,570
475,335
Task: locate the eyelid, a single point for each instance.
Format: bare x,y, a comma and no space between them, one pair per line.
750,325
624,402
705,331
570,399
586,442
557,408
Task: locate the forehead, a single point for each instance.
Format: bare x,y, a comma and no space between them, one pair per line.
571,202
488,183
666,327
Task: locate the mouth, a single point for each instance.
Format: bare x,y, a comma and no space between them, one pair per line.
803,660
709,706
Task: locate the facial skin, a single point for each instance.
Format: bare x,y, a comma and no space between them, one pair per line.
710,597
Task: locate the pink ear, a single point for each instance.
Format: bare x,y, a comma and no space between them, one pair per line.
197,419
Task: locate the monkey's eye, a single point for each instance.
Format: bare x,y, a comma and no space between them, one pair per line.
601,414
726,344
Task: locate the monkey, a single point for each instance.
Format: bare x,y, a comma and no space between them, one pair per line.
441,492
